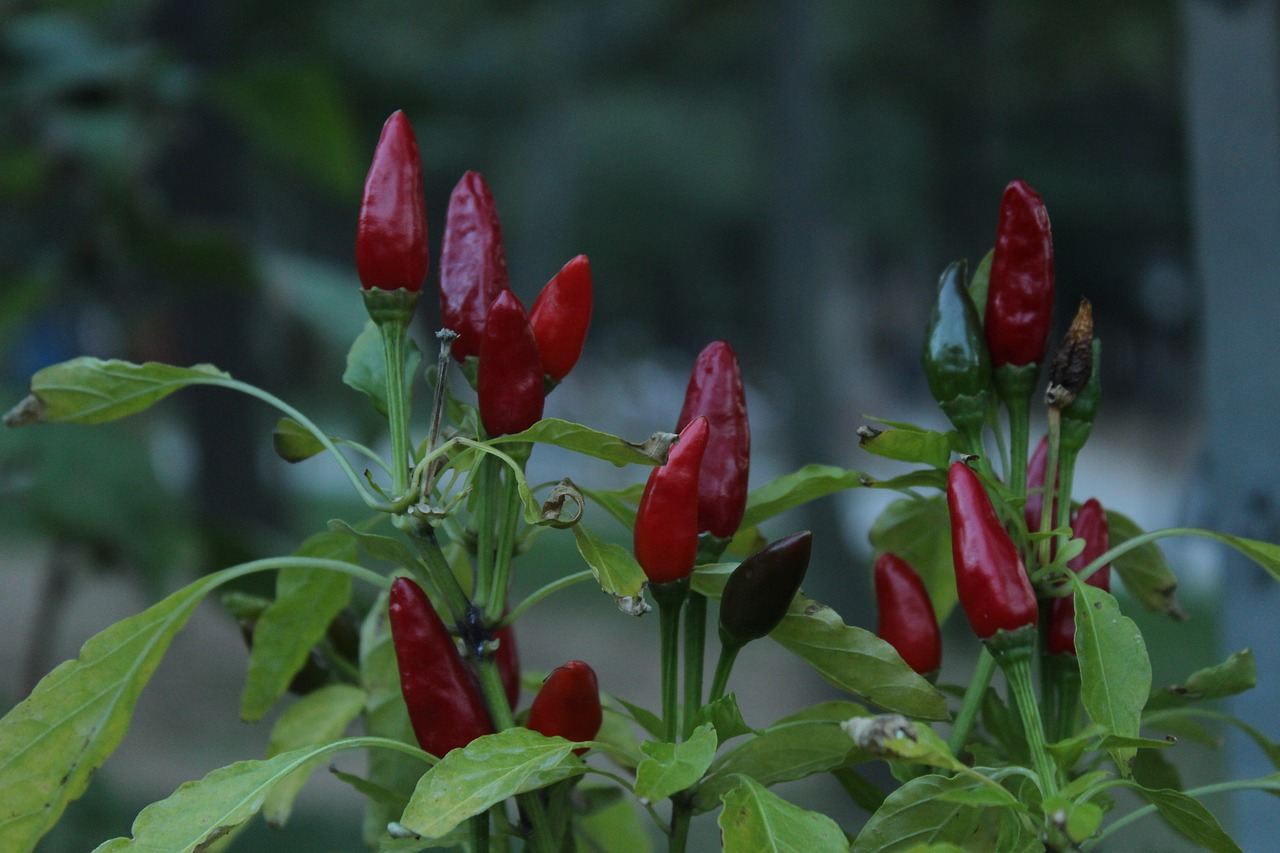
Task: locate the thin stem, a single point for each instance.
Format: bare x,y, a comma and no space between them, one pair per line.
1017,670
438,399
1019,436
480,833
681,817
508,519
543,592
439,576
1047,519
670,598
972,702
489,476
695,638
724,666
393,334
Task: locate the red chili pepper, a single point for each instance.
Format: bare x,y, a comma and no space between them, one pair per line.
473,263
715,391
666,530
907,620
560,317
509,383
445,705
391,236
1089,524
1020,293
507,658
568,705
990,579
1034,506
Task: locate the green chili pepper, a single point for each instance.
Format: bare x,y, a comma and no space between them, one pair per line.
955,356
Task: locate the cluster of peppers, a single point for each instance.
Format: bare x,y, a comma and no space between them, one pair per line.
984,347
513,358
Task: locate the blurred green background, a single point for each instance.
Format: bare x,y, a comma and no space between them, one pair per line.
179,181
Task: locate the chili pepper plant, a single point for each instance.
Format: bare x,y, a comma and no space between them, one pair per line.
431,681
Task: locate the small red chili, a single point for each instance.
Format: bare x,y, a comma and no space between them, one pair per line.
907,621
715,391
473,263
560,317
509,384
391,234
1089,524
666,529
568,704
1020,293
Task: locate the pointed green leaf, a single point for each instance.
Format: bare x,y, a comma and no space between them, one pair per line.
799,487
92,391
907,443
393,551
489,770
672,767
918,812
293,442
856,661
581,439
725,716
755,820
315,719
979,284
615,568
1115,672
621,504
1236,674
1190,818
54,740
306,602
1144,570
648,720
367,368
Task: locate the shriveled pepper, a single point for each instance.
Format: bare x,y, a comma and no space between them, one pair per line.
473,263
715,392
955,357
1089,524
907,621
760,589
666,528
993,587
445,704
1020,292
391,234
509,384
1078,417
568,704
560,317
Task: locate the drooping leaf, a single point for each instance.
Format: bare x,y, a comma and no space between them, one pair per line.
672,767
615,568
581,439
293,442
920,811
306,602
366,369
1144,570
1115,672
490,769
799,487
313,720
92,391
1190,818
755,820
1236,674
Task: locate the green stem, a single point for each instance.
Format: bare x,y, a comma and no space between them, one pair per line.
1066,673
393,336
670,598
489,475
1265,783
972,702
729,649
543,592
1144,539
695,638
480,833
508,519
1016,664
681,817
439,576
1047,519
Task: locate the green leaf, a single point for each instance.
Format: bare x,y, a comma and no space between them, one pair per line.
313,720
1236,674
199,813
1115,672
918,812
648,720
782,753
980,282
1144,570
384,548
619,828
1189,818
756,820
615,568
616,730
894,737
490,769
293,442
856,661
672,767
725,716
91,391
581,439
306,602
863,793
907,443
621,504
1265,554
799,487
367,367
918,530
393,801
52,742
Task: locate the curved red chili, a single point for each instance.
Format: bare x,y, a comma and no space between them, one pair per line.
473,263
907,621
391,234
1020,293
1089,524
994,591
560,317
666,530
568,704
509,384
444,702
715,391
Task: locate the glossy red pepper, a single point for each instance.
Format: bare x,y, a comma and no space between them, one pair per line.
715,392
1089,524
1034,506
760,590
473,263
994,591
666,529
391,235
507,658
560,317
509,384
907,621
1020,293
568,704
445,705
